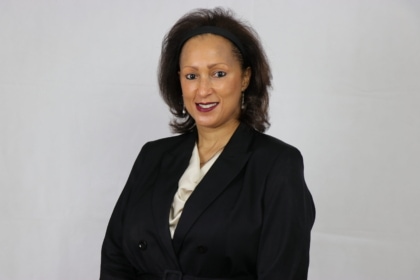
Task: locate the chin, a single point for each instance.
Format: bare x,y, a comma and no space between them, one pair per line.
205,123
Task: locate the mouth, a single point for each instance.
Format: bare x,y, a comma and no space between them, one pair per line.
206,107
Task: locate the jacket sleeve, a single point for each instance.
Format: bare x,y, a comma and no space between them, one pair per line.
289,215
114,263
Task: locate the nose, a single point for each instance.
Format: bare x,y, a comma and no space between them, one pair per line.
204,86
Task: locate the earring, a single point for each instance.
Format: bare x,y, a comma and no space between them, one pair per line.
243,101
183,112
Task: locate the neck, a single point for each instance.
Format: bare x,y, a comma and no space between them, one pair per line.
212,141
210,138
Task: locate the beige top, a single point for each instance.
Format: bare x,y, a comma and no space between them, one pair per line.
186,185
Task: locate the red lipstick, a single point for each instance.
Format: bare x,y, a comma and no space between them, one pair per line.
206,107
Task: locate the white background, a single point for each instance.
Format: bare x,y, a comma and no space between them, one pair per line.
78,99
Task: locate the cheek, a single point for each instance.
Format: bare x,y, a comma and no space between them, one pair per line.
188,94
185,88
232,88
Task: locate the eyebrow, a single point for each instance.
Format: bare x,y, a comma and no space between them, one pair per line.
208,66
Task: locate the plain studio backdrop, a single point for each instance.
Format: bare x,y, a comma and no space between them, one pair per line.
79,98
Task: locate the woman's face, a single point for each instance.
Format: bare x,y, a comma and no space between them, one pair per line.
212,81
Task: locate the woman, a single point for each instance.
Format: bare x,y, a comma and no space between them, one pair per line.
221,200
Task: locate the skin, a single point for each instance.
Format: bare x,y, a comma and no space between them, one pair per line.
212,82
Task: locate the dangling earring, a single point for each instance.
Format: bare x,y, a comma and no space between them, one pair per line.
184,112
243,101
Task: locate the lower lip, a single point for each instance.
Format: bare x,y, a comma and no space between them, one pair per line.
204,110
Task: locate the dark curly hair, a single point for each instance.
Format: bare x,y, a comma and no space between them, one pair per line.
256,96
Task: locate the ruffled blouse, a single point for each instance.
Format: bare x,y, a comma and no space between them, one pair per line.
186,185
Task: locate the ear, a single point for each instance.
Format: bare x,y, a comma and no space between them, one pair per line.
246,77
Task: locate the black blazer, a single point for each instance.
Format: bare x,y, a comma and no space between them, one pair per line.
249,218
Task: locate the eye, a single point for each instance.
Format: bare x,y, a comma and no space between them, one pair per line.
190,76
220,74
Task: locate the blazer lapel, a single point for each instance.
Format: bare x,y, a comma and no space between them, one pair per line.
223,171
172,167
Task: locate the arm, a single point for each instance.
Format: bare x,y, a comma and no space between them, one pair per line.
289,214
114,262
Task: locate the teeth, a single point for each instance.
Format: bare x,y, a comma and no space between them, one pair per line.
206,106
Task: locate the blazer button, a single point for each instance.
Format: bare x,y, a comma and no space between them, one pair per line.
201,249
143,245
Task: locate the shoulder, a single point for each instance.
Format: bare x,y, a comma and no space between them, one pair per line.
154,151
166,144
271,147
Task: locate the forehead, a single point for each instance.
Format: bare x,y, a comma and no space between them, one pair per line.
207,44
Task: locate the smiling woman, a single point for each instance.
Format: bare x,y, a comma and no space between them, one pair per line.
245,47
221,200
212,82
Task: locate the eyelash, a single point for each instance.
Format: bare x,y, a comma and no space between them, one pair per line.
189,76
218,74
222,74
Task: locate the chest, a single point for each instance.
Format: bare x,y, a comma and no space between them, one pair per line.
223,237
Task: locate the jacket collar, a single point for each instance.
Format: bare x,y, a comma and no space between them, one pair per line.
223,171
172,166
